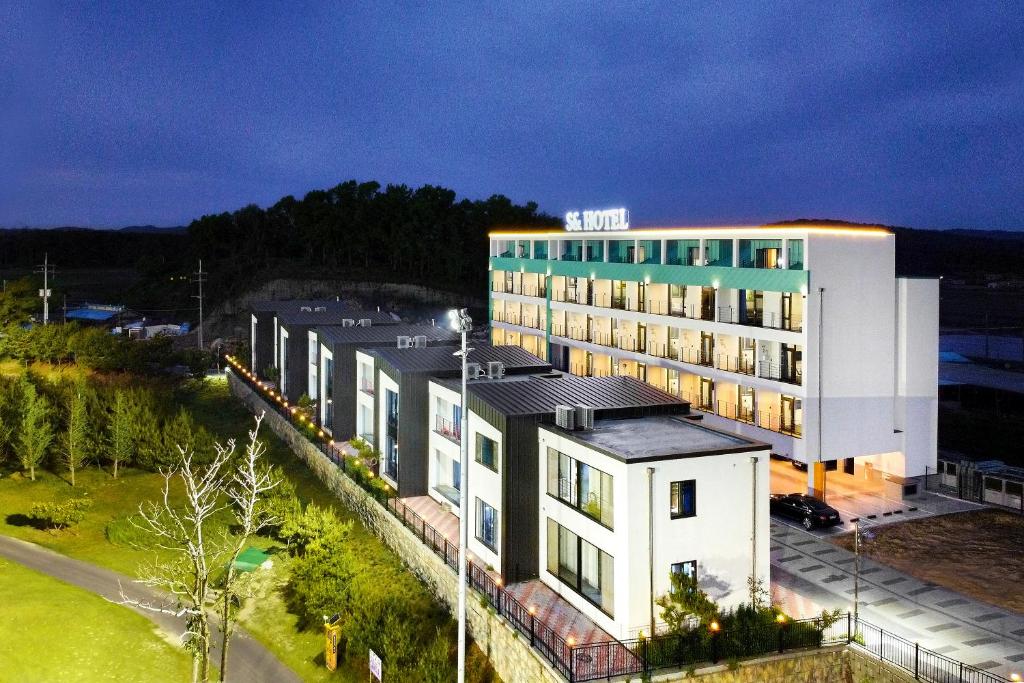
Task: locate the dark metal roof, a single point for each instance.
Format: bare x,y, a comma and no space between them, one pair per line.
273,305
383,333
435,359
536,395
332,316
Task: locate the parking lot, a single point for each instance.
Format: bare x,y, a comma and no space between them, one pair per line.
858,496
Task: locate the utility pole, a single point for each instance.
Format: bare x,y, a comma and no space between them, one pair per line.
856,571
461,322
200,277
46,269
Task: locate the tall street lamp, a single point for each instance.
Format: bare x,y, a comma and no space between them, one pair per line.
461,322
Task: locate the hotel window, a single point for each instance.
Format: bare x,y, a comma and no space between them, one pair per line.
505,248
718,253
328,393
683,499
649,251
682,252
795,255
582,566
486,524
577,484
487,452
760,253
621,251
540,249
572,250
523,249
595,250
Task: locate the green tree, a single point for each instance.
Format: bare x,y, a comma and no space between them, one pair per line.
35,432
76,431
122,430
685,600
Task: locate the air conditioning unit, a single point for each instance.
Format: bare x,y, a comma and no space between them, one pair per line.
495,369
320,309
420,341
474,371
404,342
306,309
348,322
364,322
585,417
565,417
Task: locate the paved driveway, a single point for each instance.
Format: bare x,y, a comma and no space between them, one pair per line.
249,660
949,623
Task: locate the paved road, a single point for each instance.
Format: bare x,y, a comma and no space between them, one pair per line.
949,623
249,661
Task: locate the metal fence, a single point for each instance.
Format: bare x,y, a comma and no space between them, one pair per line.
614,658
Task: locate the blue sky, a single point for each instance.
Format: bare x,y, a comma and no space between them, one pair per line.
686,113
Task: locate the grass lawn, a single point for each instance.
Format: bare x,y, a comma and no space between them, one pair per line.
265,615
89,639
976,553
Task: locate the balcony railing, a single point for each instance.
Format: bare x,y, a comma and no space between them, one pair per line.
448,429
775,422
736,412
539,291
780,372
517,319
737,364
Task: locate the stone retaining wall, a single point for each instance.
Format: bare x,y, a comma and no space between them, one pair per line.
511,655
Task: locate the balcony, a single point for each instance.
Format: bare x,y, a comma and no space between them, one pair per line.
516,319
448,429
780,372
758,318
698,401
539,291
774,422
736,412
449,493
737,364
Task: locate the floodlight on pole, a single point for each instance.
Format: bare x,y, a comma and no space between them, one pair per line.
461,322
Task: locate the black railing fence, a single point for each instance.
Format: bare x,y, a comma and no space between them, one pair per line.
579,662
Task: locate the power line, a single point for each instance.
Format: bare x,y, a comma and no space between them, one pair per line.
46,269
200,277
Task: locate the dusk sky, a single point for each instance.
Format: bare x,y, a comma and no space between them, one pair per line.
151,113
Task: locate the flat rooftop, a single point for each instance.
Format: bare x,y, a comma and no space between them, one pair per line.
441,359
659,437
377,334
332,316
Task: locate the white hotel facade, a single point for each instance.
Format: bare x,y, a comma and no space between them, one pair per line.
799,335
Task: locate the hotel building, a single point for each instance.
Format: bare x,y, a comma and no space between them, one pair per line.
800,336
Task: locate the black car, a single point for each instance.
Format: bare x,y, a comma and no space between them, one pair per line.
810,511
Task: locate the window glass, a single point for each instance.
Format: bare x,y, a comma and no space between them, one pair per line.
486,452
583,566
486,524
595,250
540,249
795,257
683,498
718,253
581,486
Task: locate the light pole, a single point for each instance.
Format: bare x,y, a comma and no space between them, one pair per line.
461,322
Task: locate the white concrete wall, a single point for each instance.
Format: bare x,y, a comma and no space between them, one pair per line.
448,449
855,317
366,405
385,384
720,536
324,356
483,483
917,373
313,381
252,346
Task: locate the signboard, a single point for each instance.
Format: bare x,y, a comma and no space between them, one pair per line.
332,633
597,221
376,670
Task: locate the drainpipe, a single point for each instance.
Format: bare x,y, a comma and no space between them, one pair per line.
753,527
650,539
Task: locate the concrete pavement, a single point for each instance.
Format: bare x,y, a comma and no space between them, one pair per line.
248,660
955,625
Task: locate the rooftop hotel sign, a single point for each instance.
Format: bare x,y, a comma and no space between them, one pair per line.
596,221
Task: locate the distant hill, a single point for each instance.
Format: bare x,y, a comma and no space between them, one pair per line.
180,229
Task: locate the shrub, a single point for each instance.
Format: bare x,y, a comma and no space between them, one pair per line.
59,515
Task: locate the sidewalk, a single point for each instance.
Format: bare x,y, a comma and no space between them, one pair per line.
949,623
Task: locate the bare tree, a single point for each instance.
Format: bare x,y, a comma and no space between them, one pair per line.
195,544
250,483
